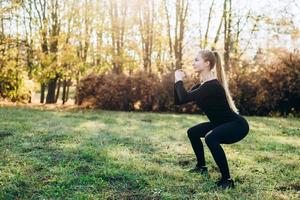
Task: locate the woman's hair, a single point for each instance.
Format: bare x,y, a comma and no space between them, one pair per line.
214,59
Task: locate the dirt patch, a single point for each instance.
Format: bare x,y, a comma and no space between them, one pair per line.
289,186
184,163
146,120
4,134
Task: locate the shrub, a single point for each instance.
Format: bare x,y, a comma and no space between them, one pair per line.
257,89
140,91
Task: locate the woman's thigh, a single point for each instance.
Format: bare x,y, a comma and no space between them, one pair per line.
228,133
200,130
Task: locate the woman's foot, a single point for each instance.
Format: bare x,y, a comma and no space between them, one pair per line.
225,183
199,169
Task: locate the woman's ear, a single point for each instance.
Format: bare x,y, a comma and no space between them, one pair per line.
207,64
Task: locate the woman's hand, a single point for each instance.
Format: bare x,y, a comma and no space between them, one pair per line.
179,75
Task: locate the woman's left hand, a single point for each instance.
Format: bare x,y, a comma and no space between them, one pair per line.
179,75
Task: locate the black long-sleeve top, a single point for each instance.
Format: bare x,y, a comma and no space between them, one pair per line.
210,97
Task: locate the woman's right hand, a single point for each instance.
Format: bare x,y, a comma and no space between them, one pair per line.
179,75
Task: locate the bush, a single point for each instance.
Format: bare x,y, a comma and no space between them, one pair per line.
117,92
139,91
281,87
13,90
267,89
257,89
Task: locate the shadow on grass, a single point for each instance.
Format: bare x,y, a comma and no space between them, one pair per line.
4,134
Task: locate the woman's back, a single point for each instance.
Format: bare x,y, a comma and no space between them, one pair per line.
210,97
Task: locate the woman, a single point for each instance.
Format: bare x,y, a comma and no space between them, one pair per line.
225,125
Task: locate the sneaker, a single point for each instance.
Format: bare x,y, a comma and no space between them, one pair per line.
225,183
199,169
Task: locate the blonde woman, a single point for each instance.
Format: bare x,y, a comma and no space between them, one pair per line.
225,125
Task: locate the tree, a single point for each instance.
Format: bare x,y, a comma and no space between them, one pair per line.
146,17
55,29
118,16
176,43
227,33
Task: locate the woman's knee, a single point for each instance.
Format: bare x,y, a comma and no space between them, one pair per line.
193,133
199,130
190,133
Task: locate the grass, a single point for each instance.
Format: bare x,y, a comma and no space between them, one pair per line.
86,154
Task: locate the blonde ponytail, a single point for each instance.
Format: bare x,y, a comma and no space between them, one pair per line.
222,79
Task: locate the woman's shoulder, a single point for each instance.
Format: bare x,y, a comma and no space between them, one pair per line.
211,83
211,86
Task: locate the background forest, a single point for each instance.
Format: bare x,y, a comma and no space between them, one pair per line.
121,55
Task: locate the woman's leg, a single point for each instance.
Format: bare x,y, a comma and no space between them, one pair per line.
194,134
226,133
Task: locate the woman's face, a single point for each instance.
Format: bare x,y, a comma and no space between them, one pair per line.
200,64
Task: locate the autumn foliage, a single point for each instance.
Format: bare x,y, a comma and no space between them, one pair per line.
257,89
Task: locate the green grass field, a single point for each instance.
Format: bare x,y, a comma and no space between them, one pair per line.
86,154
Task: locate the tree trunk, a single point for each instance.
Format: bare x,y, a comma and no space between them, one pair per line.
58,90
55,30
205,42
51,90
68,89
64,91
43,88
118,17
214,45
181,14
146,22
227,35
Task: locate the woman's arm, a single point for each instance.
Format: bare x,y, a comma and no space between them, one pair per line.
182,96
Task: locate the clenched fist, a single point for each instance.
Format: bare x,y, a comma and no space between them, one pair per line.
179,75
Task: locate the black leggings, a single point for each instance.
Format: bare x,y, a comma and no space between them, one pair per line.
226,133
